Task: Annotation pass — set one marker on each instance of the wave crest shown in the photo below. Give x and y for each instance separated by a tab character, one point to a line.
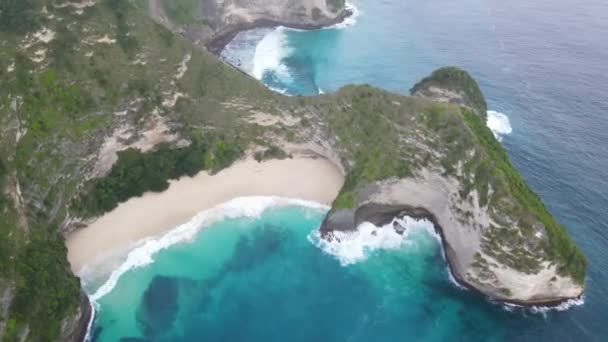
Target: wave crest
270	53
355	246
351	20
543	310
143	254
499	124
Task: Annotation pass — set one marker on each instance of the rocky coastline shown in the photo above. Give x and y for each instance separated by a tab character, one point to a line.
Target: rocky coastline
379	214
76	327
217	44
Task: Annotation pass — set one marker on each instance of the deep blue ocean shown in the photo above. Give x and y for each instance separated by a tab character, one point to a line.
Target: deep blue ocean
263	276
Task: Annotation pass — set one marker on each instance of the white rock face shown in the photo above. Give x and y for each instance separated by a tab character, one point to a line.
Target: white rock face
437	195
223	15
296	11
463	238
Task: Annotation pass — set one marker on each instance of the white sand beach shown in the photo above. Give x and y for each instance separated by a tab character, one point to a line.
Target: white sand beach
311	179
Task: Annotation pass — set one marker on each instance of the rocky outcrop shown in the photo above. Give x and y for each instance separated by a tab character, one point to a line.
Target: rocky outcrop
498	237
434	197
74	328
452	85
7	292
213	23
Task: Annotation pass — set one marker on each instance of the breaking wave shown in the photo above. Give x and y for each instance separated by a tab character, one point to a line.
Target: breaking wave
143	254
282	91
562	307
499	124
269	55
351	20
355	246
543	310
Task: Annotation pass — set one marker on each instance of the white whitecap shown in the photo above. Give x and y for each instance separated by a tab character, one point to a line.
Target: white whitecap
143	254
543	310
499	124
561	307
283	91
351	20
87	336
270	53
355	246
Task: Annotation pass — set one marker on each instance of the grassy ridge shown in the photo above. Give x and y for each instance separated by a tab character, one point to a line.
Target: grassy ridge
181	11
454	78
570	259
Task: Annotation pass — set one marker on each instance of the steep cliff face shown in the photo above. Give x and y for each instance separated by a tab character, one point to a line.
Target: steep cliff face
214	22
74	327
296	12
497	235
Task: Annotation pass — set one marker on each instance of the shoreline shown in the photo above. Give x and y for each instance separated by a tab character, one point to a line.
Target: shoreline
218	43
382	214
308	178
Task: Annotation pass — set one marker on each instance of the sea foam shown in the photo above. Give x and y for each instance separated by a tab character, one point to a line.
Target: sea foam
272	50
543	310
355	246
351	20
143	253
270	53
499	124
562	307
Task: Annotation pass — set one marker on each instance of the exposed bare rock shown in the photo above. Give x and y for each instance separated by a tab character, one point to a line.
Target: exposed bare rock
214	23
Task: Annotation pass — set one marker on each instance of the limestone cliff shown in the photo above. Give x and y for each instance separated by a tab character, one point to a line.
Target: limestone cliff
497	236
214	22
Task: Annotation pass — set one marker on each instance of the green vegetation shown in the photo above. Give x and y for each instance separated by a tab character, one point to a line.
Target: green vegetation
272	152
335	5
368	124
561	248
19	16
135	173
505	291
50	108
181	11
367	169
47	292
454	78
3	171
35	258
63	109
121	10
6	224
49	103
61	49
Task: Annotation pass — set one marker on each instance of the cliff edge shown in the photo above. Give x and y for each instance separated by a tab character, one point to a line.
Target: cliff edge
497	236
213	23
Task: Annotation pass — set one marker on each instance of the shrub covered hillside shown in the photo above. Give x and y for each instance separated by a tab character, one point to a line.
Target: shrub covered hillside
457	81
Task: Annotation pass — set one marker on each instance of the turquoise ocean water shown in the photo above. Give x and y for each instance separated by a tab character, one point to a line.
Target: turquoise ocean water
262	274
256	272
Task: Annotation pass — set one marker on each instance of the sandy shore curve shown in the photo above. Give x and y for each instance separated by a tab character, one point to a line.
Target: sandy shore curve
306	178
